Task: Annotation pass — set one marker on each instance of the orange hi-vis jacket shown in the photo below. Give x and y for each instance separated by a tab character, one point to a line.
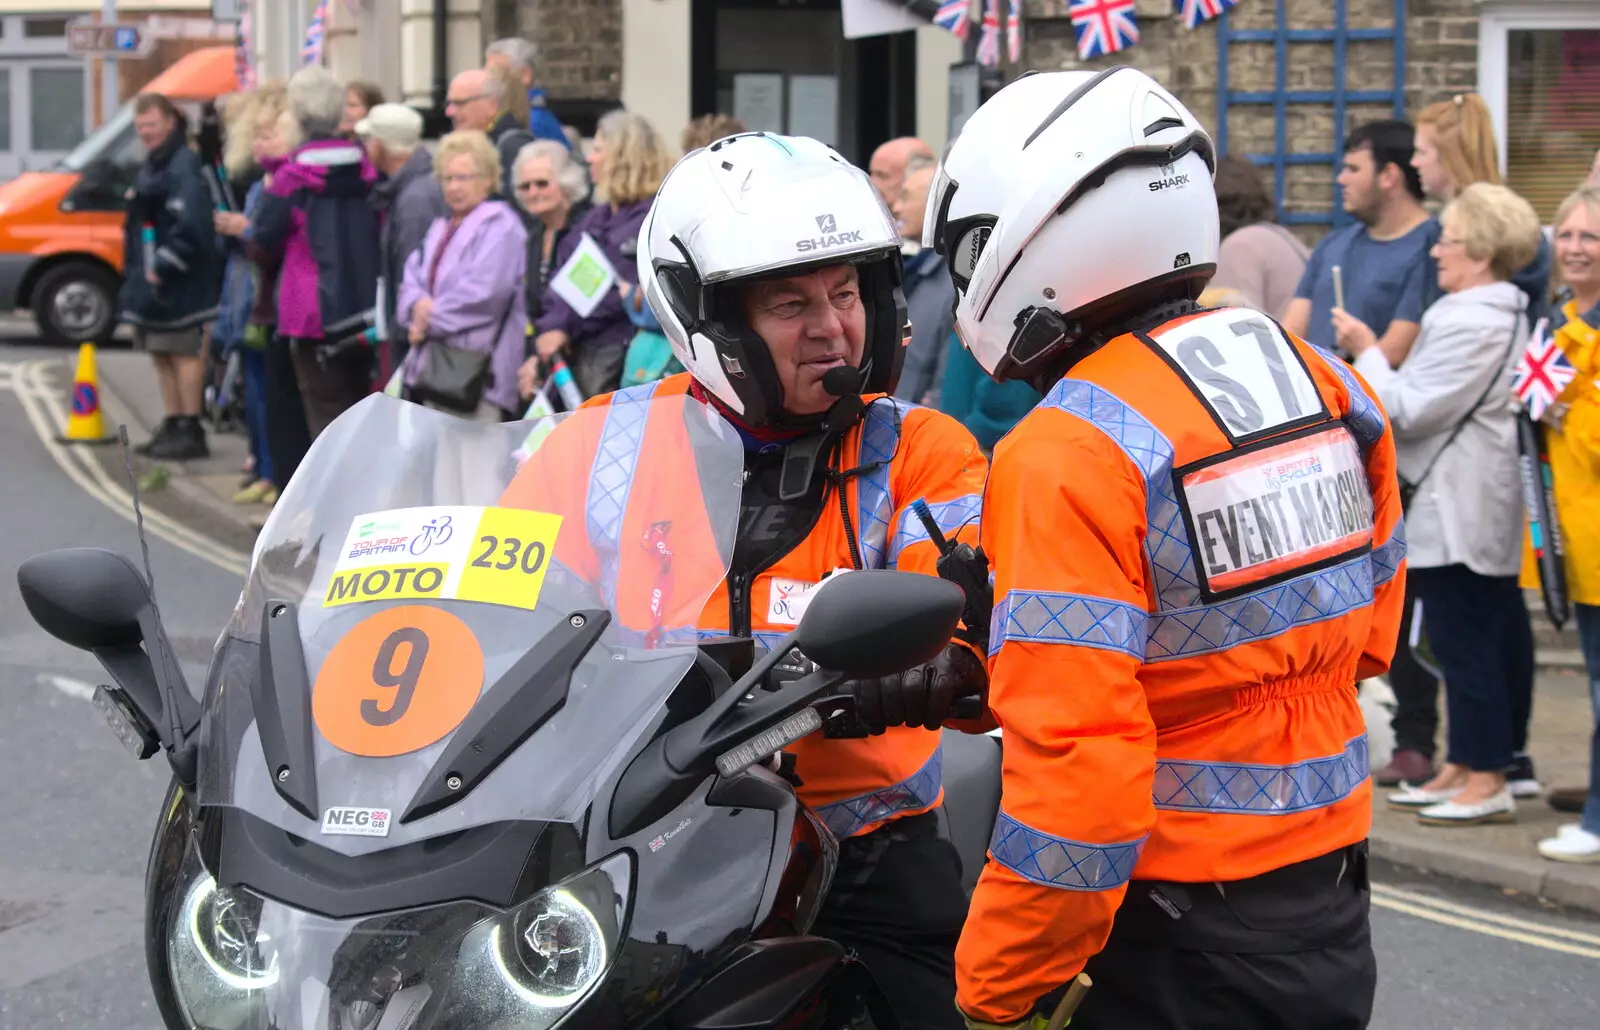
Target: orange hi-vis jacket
1198	552
899	453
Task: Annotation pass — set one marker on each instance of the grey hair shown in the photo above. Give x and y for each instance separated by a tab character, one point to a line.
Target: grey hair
520	52
316	100
570	174
917	162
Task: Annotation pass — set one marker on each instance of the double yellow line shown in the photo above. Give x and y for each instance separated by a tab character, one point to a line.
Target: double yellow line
42	404
1492	924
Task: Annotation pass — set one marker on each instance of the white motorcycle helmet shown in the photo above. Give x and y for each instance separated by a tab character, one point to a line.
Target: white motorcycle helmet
760	206
1070	201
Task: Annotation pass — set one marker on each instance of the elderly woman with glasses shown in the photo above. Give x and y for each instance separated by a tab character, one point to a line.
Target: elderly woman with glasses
463	286
627	160
1455	435
552	189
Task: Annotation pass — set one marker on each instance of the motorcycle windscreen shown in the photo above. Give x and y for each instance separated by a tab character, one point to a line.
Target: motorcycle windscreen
448	623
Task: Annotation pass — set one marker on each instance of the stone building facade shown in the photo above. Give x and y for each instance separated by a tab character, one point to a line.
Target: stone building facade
1440	59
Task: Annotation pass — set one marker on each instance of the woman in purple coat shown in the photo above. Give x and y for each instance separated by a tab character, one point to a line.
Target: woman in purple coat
627	162
463	286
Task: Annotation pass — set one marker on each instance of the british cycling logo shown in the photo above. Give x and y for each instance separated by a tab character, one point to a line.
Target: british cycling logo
434	531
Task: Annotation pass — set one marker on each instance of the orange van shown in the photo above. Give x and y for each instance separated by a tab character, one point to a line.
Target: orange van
61	229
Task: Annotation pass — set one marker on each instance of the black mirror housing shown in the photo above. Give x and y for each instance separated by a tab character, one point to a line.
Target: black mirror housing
87	597
877	623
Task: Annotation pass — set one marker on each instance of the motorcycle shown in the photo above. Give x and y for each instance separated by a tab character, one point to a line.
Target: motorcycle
434	781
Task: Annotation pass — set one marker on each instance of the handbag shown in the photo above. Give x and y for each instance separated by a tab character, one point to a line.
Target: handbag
1408	490
455	378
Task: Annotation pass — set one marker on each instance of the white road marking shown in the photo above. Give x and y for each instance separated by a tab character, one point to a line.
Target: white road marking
1491	924
68	686
49	421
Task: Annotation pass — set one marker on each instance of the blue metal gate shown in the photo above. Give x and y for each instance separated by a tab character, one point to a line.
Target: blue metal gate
1280	97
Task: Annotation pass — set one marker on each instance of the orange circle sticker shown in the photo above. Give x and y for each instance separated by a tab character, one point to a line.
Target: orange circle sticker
398	681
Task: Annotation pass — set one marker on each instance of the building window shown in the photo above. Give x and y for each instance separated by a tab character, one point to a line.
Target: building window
5	110
1552	98
45	28
55	108
1539	72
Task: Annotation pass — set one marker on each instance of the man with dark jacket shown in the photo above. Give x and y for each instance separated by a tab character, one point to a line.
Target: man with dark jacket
172	273
408	201
315	213
484	99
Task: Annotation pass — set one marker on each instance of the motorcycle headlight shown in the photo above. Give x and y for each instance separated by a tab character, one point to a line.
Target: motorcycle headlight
221	961
238	961
528	968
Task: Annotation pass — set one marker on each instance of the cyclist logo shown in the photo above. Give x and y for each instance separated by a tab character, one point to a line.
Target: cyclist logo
435	531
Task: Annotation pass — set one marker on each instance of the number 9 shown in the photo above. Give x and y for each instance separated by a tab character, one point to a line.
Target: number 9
384	675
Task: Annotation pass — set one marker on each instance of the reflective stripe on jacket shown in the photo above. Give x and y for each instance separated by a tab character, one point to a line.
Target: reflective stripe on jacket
1156	727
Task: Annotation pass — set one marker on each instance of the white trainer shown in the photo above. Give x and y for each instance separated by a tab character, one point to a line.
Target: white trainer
1572	843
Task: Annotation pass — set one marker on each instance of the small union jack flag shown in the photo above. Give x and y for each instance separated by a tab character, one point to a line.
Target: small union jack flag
989	37
1014	32
1104	26
1196	12
1542	372
952	17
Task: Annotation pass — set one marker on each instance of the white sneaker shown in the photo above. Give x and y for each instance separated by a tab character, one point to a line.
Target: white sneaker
1525	789
1412	798
1500	808
1572	843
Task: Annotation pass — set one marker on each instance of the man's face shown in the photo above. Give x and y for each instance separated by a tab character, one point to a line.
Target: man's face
1363	185
810	323
468	103
912	203
152	127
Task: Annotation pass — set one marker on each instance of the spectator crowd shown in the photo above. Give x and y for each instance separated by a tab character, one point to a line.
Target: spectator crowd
494	274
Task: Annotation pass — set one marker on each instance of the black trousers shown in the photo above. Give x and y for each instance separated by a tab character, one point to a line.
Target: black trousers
1479	629
288	437
1289	948
1416	688
897	901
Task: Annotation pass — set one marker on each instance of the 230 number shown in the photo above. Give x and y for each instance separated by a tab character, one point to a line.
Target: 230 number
513	554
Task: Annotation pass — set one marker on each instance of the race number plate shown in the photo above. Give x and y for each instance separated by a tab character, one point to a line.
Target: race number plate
1245	371
1270	512
494	555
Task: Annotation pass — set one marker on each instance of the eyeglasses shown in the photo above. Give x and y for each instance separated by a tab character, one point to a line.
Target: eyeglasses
533	184
460	180
464	101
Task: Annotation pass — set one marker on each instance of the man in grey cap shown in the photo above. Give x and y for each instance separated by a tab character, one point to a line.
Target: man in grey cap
409	199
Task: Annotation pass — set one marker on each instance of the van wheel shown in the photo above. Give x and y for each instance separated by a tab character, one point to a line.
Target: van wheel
75	303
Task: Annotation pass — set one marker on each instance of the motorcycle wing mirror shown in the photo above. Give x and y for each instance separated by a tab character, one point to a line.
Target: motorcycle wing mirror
873	623
860	625
96	601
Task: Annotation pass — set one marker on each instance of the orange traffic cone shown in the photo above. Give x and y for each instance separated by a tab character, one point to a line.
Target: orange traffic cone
85	423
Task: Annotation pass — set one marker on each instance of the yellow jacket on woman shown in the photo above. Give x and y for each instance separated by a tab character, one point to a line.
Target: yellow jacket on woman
1575	464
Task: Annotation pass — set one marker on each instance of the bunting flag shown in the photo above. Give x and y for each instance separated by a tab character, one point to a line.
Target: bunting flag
952	17
244	62
316	35
1104	26
989	38
1197	12
1014	32
1542	372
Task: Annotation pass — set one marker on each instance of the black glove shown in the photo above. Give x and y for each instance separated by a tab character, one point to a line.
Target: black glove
920	696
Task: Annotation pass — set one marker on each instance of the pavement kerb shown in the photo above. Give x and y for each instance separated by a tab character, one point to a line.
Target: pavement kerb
1532	875
117	411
